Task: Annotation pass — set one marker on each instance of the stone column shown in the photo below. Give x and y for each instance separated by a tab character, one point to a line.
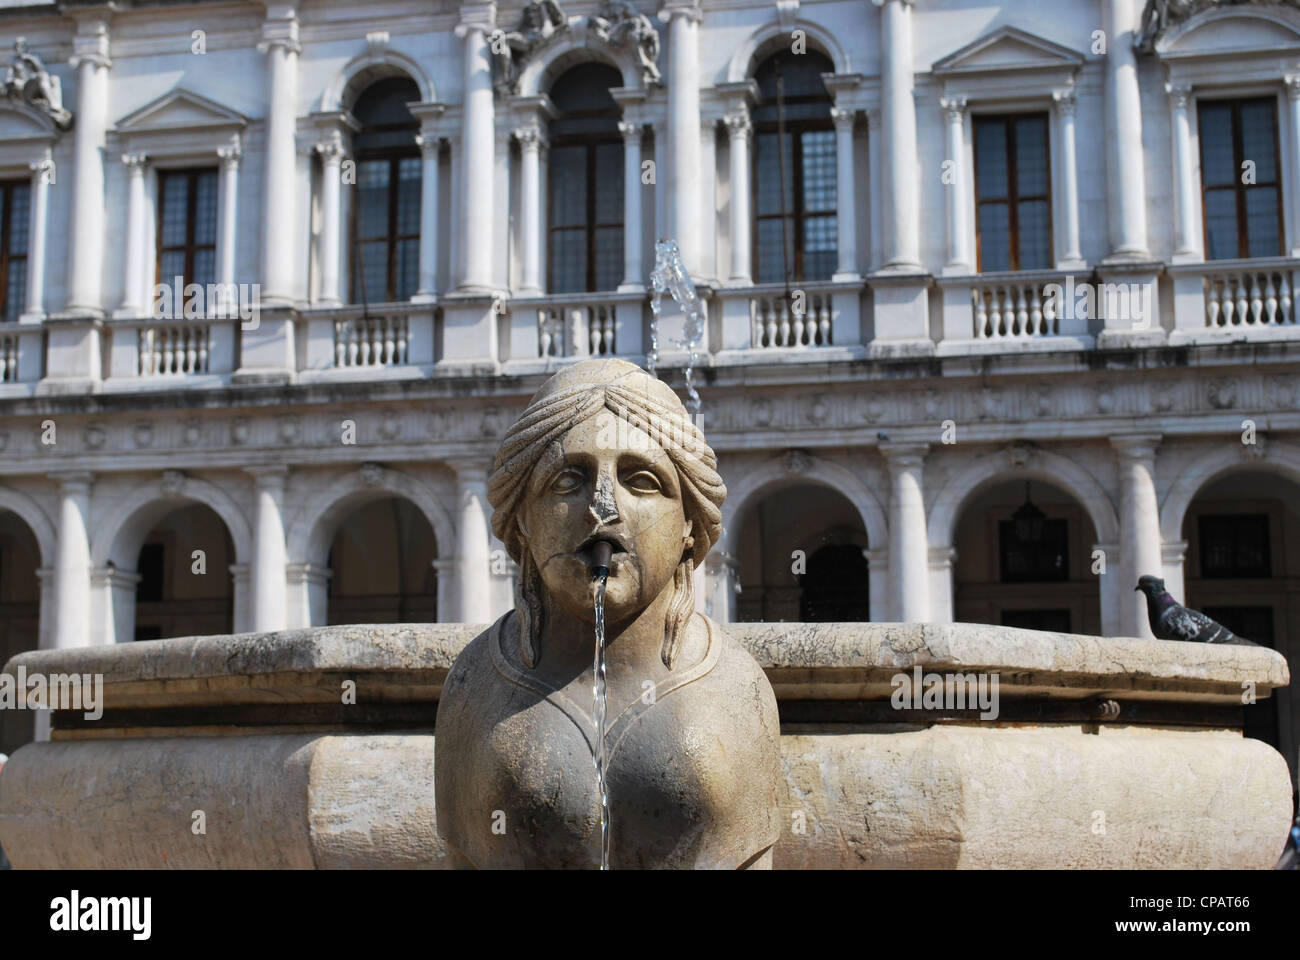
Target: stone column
308	593
1066	103
40	197
478	144
1173	553
331	230
472	597
878	583
227	238
1125	159
136	275
1139	525
268	567
632	275
530	208
86	264
941	583
1111	590
708	224
902	246
72	562
1293	96
960	261
681	180
429	150
445	580
739	133
280	44
908	549
1188	242
242	603
846	205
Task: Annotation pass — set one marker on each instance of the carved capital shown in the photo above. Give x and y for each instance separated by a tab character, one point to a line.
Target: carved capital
631	131
954	108
428	145
1065	101
331	149
904	455
843	118
135	163
738	127
230	156
1180	95
1138	446
530	138
1293	86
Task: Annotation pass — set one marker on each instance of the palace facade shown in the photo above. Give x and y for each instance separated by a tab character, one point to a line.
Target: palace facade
1001	306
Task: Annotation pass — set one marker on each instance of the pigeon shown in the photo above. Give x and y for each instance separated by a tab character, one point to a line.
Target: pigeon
1171	621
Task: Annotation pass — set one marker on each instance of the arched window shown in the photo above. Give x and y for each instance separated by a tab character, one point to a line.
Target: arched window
386	213
585	221
794	188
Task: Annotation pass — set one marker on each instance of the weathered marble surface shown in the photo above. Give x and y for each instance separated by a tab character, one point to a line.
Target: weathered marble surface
871	795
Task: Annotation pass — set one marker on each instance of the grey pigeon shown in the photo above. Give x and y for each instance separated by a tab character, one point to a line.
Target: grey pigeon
1172	621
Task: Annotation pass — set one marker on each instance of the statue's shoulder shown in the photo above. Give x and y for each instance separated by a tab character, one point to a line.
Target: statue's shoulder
473	665
737	669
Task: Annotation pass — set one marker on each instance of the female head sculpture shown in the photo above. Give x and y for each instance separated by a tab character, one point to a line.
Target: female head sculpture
604	454
628	404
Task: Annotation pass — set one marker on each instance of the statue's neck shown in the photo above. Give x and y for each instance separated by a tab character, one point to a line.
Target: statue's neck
632	648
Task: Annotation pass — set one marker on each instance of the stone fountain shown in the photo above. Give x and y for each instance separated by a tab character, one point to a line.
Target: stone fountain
673	743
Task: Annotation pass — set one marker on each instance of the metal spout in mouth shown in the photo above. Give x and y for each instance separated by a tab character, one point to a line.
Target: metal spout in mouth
601	553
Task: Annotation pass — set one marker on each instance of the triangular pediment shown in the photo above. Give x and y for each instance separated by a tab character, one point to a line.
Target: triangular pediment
1008	48
1232	29
180	109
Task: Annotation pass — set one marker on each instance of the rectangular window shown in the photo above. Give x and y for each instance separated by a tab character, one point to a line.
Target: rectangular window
1042	560
386	261
795	219
187	226
1234	546
1240	178
1013	192
586	217
15	197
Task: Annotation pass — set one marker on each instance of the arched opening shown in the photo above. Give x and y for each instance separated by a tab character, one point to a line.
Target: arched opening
386	212
20	603
801	558
585	189
1024	559
1242	568
794	203
381	562
184	587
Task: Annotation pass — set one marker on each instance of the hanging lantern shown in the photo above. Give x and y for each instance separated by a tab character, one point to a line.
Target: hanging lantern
1029	521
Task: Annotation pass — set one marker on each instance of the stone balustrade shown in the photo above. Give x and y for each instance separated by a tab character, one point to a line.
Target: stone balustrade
1234	300
253	730
1013	311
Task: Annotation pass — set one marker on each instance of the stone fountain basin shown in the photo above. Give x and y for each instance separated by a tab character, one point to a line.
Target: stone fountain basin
252	730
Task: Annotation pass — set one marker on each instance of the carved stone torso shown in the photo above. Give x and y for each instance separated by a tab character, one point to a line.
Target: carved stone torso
693	769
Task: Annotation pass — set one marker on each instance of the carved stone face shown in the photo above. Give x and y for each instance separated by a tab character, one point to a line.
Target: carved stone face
586	488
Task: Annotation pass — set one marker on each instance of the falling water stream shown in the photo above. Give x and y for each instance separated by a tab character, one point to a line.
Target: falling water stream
600	580
671	276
